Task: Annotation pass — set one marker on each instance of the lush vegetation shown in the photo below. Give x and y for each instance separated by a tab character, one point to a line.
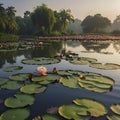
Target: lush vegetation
44	21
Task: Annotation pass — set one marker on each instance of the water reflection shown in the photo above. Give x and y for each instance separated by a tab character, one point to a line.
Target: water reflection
50	49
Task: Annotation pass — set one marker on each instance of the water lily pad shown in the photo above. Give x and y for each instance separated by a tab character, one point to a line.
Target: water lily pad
115	108
12	85
113	117
82	60
19	100
107	66
3	80
49	77
12	68
33	88
96	83
46	79
49	117
19	77
90	81
15	114
82	109
72	111
40	61
95	108
69	81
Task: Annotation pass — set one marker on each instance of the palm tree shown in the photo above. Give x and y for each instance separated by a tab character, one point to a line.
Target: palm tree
65	18
2	18
11	24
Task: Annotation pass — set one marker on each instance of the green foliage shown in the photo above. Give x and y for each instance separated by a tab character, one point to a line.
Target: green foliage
115	108
82	109
12	68
7	20
43	18
15	114
95	24
8	38
32	88
19	100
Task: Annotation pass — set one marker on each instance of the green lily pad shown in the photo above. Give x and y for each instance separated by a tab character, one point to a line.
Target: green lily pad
19	100
107	66
69	81
49	77
96	83
90	81
40	61
3	80
33	88
15	114
12	68
82	60
82	109
73	112
63	73
19	77
115	108
46	79
12	85
49	117
113	117
95	108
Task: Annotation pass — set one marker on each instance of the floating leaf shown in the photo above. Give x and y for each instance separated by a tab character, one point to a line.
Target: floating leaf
19	77
49	77
113	117
69	81
12	68
41	61
12	85
90	81
107	66
82	109
63	73
96	83
74	112
46	79
3	80
19	100
49	117
115	108
94	107
32	88
82	60
15	114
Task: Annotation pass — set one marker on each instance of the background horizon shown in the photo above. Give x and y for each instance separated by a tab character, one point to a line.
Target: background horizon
79	8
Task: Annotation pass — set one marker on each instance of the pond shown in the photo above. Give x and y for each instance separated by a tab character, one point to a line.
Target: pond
57	94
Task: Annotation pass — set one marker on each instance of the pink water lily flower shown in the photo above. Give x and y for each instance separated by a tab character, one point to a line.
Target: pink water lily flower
42	70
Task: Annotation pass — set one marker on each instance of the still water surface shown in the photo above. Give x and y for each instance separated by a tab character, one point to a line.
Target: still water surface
56	94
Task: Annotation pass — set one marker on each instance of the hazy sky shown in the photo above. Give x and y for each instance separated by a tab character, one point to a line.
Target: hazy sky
79	8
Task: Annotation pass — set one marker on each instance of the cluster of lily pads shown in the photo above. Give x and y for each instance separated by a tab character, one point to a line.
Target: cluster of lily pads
29	84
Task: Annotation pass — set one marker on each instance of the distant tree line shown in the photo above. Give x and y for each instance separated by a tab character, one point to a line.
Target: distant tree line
44	21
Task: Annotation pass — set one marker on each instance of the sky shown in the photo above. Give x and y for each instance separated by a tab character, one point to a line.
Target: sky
79	8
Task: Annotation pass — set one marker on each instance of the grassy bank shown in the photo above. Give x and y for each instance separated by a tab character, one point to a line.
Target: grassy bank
8	37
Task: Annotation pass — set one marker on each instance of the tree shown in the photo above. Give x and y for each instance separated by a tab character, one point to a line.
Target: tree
43	18
95	24
3	20
12	26
63	18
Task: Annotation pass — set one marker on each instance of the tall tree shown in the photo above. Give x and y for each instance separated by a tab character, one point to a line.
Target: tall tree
43	18
3	17
12	26
63	18
95	24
